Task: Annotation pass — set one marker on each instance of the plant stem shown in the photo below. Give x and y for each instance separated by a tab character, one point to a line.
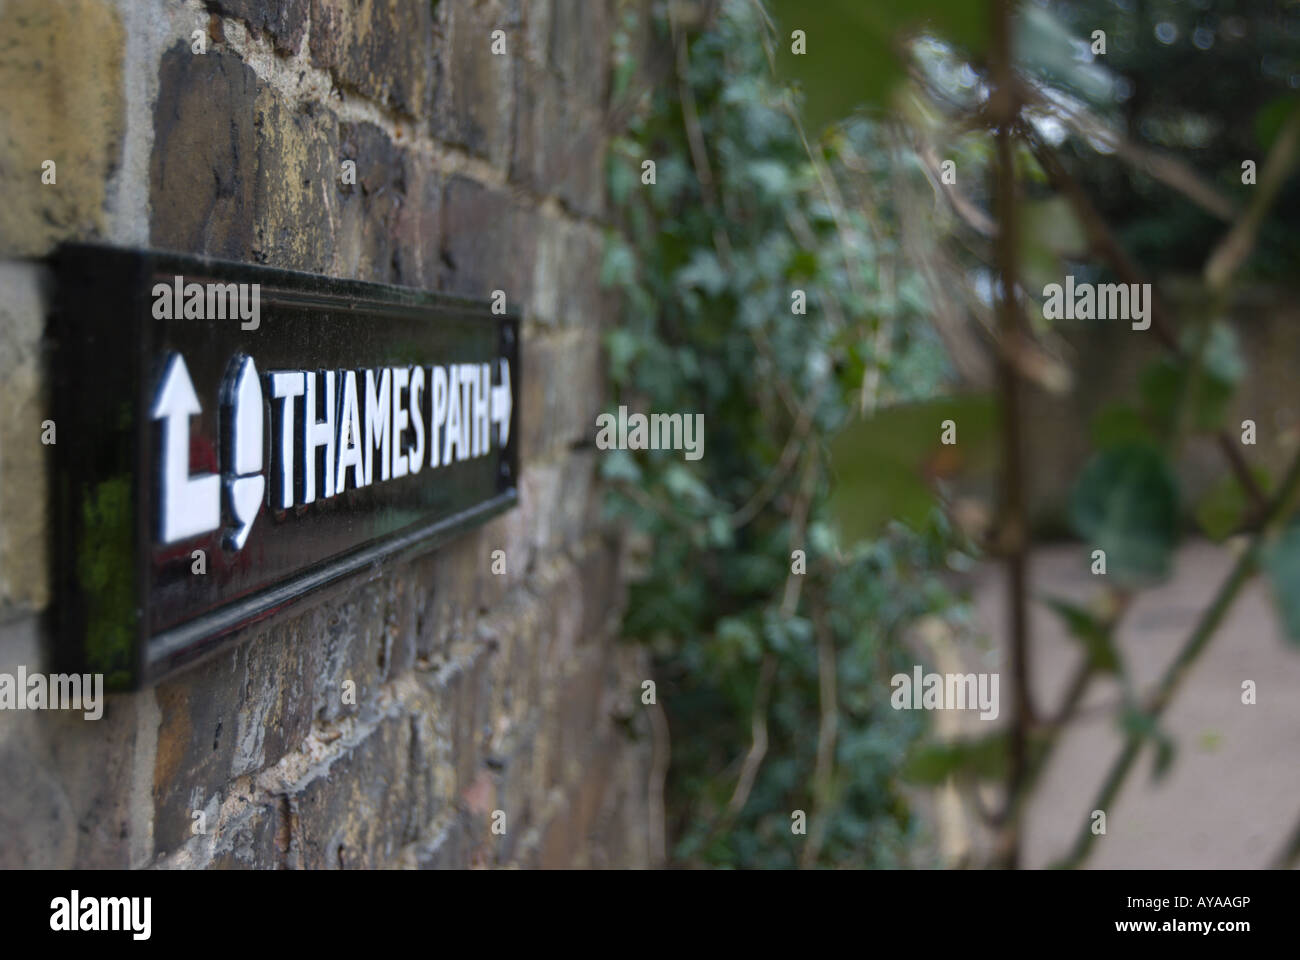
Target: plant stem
1179	668
1104	243
1004	109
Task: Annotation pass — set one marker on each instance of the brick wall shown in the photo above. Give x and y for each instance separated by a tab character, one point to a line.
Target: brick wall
474	172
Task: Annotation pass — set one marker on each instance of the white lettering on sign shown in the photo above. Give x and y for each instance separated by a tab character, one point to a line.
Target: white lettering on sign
286	386
377	423
331	424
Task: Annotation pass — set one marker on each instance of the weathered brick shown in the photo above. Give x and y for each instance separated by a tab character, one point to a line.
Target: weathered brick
355	641
38	827
487	242
592	794
355	811
285	21
562	92
389	220
230	715
419	225
600	577
256	187
580	512
203	174
558	143
450	610
298	168
519	661
433	771
558	842
247	839
589	304
540	492
582	718
24	523
368	209
564	390
382	49
566	290
567	605
517	796
474	103
579	46
60	99
449	851
470	691
67	781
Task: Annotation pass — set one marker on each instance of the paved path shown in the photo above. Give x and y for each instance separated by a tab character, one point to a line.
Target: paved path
1233	793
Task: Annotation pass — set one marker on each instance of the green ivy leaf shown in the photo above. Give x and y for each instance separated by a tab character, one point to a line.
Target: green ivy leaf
851	59
1164	382
1090	631
1125	502
704	272
1222	509
983	758
882	466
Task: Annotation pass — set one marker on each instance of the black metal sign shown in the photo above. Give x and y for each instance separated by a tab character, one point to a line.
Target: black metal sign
231	438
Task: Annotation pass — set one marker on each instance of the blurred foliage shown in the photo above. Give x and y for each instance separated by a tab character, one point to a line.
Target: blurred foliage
887	467
1094	634
1126	503
748	208
707	276
853	51
1208	81
1171	96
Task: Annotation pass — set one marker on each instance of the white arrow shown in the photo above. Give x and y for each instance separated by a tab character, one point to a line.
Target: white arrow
188	506
502	402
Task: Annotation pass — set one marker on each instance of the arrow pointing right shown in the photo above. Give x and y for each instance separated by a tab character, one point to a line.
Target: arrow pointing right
188	506
502	403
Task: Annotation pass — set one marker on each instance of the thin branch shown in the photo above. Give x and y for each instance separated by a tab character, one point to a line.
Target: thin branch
634	492
1182	663
827	728
662	753
1004	108
789	454
1234	248
1169	170
965	208
767	672
1104	243
798	531
758	745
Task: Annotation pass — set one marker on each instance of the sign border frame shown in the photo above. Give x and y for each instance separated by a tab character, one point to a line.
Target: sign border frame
87	275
